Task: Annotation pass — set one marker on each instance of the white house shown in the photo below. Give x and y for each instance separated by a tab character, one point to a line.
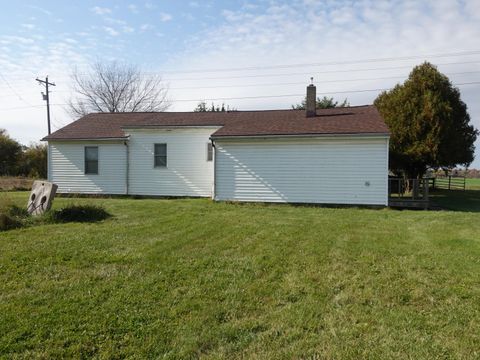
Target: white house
331	156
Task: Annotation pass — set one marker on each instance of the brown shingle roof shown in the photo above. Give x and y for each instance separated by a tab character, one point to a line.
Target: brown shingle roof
350	120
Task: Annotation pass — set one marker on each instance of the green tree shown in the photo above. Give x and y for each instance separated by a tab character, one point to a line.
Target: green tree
203	107
429	123
10	154
322	103
34	161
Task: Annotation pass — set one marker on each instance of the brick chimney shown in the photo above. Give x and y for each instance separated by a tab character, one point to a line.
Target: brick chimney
311	104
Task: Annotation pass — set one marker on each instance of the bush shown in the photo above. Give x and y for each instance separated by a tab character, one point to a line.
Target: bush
79	213
11	215
17	212
8	222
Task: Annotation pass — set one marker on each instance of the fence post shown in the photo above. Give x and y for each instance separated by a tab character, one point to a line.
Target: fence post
449	181
425	193
415	189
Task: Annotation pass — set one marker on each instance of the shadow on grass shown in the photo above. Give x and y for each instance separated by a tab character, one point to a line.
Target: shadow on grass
78	213
457	200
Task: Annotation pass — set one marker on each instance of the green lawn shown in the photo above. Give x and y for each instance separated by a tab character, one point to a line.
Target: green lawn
473	184
457	200
179	279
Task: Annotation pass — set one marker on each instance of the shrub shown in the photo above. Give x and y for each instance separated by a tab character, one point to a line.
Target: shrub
79	213
17	212
8	222
11	215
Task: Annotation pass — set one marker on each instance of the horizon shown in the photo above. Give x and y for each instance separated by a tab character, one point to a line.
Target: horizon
251	55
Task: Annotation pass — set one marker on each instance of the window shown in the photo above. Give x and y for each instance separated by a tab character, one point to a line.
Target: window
160	155
91	159
209	151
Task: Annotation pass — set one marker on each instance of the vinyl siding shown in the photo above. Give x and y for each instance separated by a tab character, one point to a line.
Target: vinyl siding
67	168
320	170
188	173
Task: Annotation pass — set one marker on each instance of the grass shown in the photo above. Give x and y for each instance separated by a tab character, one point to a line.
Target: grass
457	200
473	184
181	279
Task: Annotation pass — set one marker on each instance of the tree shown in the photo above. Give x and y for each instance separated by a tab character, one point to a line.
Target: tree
10	154
33	161
322	103
429	123
116	87
202	107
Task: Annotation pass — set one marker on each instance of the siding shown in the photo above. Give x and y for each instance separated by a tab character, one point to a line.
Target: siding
187	173
321	170
67	162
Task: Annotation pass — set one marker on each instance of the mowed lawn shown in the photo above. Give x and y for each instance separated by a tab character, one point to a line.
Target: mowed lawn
473	184
188	278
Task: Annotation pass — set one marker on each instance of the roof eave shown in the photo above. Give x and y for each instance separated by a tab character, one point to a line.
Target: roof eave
257	136
146	127
46	138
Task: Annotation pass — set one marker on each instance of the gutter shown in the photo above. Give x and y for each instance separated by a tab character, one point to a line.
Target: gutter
148	127
86	139
267	136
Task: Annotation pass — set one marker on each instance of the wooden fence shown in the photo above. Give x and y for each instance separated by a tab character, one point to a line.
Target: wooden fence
448	183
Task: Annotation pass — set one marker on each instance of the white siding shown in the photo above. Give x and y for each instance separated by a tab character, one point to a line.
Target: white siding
67	168
322	170
188	173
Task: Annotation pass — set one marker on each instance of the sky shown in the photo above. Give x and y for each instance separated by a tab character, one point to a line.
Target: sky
254	54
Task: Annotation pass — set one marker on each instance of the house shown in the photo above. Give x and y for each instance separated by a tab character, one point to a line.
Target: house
331	156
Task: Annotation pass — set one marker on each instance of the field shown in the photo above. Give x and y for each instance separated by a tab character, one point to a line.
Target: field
10	183
473	184
188	278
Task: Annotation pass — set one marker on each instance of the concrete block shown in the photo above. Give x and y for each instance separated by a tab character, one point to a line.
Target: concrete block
41	197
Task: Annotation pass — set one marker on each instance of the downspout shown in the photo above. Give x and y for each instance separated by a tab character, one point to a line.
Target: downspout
388	168
49	169
127	150
214	169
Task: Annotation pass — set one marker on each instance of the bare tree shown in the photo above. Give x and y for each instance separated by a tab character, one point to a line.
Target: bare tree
116	87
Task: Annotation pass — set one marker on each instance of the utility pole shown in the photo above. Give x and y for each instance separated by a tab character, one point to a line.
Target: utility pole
46	97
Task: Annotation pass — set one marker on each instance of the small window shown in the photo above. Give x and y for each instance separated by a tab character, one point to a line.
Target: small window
160	155
209	151
91	159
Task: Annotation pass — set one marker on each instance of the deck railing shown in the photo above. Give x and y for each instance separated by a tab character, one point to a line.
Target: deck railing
408	192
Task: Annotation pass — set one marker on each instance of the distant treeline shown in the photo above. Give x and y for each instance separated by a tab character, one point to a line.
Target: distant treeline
468	173
19	160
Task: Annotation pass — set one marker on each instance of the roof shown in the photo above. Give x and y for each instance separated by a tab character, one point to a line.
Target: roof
338	121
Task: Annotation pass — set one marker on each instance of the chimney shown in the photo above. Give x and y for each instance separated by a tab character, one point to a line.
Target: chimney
311	104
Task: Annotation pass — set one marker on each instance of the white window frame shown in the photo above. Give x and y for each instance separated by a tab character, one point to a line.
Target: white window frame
85	160
155	156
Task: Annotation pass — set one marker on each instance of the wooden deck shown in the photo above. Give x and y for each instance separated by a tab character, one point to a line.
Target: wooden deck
402	203
416	197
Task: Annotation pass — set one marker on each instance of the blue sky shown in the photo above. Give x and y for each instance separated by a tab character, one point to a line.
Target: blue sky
330	39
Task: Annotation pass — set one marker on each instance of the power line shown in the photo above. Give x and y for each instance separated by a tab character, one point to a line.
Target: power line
314	72
328	63
313	64
13	90
303	83
292	95
310	72
294	83
255	97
